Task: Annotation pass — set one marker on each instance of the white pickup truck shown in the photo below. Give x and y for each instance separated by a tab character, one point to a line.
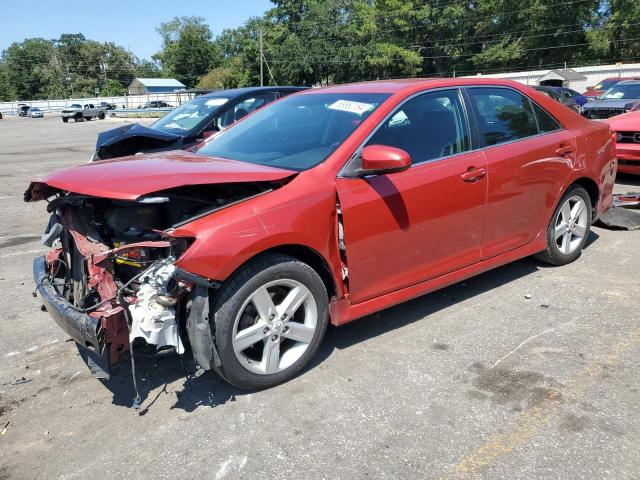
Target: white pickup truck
78	112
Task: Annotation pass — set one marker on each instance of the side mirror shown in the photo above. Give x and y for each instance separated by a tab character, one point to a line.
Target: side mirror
589	88
381	159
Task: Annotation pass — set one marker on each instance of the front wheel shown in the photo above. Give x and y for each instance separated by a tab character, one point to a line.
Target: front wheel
569	228
269	320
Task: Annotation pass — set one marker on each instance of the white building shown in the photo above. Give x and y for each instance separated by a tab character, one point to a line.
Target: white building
578	78
142	86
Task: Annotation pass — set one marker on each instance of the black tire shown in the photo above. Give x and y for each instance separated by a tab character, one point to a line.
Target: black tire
65	119
552	254
101	115
77	117
231	297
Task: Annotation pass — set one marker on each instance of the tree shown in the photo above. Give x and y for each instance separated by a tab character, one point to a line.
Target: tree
28	64
187	50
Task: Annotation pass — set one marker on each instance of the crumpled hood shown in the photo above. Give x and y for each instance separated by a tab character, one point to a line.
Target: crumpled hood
133	130
129	178
620	103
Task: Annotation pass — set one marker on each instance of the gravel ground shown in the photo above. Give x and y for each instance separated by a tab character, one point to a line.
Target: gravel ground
523	372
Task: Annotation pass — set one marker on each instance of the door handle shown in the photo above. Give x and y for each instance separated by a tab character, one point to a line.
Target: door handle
564	150
473	174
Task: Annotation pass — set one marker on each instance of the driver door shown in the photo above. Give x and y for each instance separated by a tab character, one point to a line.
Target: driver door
404	228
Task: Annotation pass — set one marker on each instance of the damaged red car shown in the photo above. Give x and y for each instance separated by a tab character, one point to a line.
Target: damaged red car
325	206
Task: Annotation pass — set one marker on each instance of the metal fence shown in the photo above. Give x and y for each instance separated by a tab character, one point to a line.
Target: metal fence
129	103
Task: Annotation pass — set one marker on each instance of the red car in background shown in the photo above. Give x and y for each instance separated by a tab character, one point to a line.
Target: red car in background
325	206
605	85
627	131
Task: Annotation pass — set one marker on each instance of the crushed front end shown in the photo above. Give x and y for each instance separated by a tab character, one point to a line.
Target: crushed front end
110	279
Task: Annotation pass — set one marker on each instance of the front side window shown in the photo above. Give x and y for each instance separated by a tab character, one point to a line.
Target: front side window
430	126
297	132
503	115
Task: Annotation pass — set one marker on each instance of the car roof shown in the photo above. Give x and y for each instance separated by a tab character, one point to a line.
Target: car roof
398	85
630	82
236	92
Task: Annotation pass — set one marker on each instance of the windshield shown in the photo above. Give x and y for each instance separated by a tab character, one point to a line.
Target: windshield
605	84
189	115
622	91
297	132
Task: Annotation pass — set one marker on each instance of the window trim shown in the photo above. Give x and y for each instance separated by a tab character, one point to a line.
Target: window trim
477	142
347	172
481	140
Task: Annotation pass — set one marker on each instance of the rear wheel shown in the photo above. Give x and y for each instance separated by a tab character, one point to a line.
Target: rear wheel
569	228
65	119
269	320
101	115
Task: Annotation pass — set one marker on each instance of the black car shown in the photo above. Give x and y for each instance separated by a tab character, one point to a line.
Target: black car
108	106
621	98
155	104
556	95
189	124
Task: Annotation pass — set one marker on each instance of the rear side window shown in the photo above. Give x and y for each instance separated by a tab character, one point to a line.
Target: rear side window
503	115
546	122
429	126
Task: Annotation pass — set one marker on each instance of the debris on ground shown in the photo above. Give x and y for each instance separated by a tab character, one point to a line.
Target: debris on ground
620	218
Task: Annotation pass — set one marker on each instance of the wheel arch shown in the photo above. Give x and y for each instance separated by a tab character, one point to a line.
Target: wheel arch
307	255
592	189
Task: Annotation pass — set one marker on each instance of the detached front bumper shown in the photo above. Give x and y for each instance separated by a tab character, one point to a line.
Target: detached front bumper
83	328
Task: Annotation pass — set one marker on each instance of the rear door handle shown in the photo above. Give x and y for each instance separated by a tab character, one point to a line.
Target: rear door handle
473	174
564	150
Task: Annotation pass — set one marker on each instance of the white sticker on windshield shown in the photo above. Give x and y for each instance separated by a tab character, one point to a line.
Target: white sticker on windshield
215	102
349	106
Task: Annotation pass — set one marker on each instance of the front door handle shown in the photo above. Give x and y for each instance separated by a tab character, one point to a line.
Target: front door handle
564	150
473	174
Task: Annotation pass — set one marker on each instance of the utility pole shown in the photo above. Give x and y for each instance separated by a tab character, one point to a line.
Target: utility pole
261	58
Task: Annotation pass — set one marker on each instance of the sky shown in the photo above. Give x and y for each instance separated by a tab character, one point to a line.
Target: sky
130	24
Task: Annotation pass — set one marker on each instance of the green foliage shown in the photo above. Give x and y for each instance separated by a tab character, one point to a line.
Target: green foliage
69	66
311	42
187	49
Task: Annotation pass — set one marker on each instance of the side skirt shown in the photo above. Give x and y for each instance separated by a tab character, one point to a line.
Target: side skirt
343	311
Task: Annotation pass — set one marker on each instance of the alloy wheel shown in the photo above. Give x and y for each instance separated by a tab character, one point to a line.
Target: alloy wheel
571	225
275	326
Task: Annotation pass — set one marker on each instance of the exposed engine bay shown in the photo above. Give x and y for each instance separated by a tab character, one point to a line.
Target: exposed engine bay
113	264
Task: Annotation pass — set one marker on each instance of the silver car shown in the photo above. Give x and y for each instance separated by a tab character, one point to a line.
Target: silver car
35	112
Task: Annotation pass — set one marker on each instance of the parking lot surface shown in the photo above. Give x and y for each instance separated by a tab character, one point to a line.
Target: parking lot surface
523	372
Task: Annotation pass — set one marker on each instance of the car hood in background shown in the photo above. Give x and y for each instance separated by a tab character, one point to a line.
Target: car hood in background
133	130
620	103
129	178
627	122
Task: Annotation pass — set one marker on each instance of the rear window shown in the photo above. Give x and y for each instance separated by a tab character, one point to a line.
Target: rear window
546	123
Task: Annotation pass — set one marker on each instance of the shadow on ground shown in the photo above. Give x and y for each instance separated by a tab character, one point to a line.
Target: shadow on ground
207	389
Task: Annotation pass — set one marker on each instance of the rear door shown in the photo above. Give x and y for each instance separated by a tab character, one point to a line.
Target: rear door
529	157
404	228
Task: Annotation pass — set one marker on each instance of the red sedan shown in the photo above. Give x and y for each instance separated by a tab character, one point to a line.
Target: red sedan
325	206
627	130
